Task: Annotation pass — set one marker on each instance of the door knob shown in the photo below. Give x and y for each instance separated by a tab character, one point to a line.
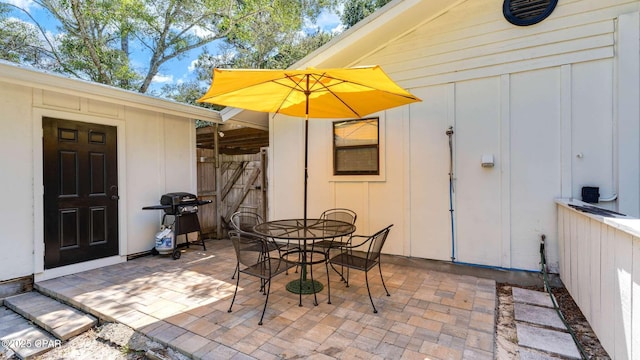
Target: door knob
114	192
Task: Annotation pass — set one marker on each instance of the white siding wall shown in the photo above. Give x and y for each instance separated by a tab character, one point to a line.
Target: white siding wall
477	205
535	143
429	175
599	258
628	113
144	163
534	97
160	159
156	154
16	172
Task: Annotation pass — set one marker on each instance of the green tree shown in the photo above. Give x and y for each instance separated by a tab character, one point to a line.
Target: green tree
19	41
191	90
266	45
99	36
356	10
300	46
276	52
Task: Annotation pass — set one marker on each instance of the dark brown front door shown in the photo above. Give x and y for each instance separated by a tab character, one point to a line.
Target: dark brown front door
80	192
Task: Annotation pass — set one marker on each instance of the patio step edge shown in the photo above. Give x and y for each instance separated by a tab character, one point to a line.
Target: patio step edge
61	320
101	316
20	337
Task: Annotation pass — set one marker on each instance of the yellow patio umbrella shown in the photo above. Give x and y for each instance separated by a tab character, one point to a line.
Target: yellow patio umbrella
317	93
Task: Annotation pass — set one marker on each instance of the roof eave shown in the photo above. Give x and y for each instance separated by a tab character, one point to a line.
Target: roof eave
19	75
388	23
248	118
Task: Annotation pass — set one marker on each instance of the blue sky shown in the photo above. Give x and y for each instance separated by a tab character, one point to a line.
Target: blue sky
177	70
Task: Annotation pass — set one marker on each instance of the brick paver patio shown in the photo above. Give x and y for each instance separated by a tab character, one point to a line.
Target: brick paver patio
183	304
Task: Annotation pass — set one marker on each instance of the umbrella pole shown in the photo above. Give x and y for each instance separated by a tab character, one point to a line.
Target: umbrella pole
306	148
306	161
306	174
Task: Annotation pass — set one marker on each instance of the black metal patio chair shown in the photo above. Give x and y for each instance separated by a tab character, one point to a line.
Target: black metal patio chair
350	258
342	214
244	221
254	259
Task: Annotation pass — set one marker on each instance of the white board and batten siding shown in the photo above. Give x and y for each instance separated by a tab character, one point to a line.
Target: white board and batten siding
600	267
16	220
156	155
542	99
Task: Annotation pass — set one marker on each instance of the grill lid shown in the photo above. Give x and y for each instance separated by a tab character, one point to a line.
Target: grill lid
178	198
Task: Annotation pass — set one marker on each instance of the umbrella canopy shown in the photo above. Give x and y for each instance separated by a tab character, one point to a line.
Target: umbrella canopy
316	93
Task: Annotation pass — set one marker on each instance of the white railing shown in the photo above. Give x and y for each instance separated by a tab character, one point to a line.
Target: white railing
600	267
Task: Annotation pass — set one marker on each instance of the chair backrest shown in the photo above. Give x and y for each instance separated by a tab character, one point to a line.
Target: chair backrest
377	242
341	214
245	220
249	249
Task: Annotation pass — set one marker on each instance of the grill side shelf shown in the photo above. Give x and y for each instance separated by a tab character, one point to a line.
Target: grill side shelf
157	207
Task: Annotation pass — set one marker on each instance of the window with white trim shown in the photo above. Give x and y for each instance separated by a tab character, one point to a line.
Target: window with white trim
356	147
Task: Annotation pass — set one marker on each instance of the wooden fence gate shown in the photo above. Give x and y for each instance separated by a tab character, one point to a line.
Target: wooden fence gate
238	183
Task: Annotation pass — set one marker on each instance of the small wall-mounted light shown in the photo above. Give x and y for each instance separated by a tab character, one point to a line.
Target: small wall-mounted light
220	133
487	161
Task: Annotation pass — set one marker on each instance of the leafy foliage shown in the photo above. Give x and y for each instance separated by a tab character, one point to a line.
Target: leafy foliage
99	36
19	41
356	10
269	46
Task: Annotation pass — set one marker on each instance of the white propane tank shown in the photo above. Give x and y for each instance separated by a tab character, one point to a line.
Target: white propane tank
164	241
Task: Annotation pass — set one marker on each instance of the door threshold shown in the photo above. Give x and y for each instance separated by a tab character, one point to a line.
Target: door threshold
48	274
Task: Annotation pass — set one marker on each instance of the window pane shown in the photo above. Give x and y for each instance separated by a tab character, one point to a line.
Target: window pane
356	147
354	133
357	160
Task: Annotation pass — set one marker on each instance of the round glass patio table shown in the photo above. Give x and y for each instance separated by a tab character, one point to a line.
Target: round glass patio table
305	232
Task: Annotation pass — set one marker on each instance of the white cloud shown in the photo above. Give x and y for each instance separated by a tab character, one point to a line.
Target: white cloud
338	29
327	21
162	79
192	65
202	32
25	4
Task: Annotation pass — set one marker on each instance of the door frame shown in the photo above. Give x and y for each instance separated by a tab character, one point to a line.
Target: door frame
40	274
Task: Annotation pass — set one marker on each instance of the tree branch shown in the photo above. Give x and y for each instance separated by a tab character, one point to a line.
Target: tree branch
52	49
95	58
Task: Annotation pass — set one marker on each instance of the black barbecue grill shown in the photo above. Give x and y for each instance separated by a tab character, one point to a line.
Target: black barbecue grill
182	208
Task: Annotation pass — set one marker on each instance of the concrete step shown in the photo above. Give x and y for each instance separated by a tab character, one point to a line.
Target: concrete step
547	340
21	338
538	315
541	333
532	297
61	320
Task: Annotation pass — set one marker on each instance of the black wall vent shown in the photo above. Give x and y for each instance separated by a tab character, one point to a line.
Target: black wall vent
527	12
